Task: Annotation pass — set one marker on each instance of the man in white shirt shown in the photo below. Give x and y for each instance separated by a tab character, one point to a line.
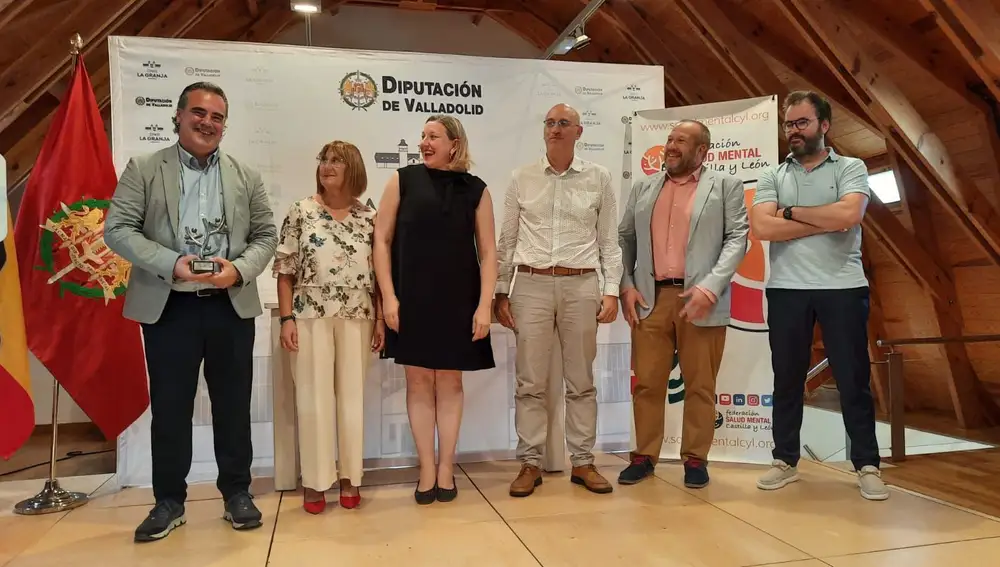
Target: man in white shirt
559	232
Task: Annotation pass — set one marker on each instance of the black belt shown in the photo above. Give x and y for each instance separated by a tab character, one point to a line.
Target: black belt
206	292
679	282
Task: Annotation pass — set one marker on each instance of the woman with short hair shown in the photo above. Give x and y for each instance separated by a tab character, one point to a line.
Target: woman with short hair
330	321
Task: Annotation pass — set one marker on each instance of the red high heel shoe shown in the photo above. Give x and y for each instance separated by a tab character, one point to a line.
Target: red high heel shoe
315	507
350	502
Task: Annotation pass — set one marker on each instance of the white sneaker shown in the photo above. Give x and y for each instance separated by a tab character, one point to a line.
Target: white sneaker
870	481
780	474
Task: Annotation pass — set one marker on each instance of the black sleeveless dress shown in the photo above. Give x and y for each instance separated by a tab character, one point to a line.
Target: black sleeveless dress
435	271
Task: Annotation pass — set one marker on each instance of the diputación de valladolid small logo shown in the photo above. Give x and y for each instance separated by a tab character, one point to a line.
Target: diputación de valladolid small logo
358	90
73	251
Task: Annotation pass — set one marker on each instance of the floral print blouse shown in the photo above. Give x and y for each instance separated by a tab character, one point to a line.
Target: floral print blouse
330	259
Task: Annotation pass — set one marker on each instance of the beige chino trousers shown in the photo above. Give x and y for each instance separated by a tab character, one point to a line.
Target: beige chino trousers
569	306
329	373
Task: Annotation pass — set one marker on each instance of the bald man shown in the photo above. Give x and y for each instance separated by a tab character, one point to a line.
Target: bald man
683	234
559	234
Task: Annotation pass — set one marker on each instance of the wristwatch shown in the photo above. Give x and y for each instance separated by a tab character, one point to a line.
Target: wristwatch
787	213
281	320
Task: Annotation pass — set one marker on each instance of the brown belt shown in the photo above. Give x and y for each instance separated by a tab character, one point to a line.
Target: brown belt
555	271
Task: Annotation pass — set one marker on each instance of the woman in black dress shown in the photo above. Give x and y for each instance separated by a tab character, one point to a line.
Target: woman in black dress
436	265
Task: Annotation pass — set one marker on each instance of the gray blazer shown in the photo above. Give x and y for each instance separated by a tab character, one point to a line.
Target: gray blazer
141	226
717	240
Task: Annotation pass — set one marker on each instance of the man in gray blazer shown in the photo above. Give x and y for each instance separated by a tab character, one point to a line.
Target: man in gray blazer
683	235
198	229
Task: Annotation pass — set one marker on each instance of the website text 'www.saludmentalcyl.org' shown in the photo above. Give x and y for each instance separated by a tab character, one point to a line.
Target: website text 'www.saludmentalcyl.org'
734	442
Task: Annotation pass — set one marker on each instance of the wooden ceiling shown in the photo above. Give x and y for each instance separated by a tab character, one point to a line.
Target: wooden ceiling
914	84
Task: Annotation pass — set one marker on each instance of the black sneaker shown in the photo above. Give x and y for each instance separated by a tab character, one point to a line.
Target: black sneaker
695	473
162	519
240	510
641	468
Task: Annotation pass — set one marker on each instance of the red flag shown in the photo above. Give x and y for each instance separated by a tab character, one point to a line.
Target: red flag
73	285
16	406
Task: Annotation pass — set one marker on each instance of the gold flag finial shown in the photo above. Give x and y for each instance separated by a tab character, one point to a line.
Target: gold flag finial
75	44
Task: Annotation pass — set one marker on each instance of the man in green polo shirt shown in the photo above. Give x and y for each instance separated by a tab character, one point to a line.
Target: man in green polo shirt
810	208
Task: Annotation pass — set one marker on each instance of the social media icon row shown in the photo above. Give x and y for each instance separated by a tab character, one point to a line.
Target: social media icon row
752	400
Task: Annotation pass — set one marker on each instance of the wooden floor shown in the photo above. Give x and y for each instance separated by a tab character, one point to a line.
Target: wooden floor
81	448
819	521
966	478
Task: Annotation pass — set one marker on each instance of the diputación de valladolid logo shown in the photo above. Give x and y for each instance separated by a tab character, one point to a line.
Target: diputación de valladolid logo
360	91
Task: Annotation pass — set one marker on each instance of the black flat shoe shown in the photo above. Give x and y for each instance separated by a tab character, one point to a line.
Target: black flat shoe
425	497
447	494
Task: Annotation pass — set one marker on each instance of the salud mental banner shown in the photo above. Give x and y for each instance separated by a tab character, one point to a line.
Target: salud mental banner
744	143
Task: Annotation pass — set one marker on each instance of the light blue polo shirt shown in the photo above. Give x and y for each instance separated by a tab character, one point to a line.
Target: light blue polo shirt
831	260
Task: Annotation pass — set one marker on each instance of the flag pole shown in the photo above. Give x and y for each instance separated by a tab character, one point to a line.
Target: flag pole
53	498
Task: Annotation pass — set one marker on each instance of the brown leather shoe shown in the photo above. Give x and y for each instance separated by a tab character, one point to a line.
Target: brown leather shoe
589	478
526	481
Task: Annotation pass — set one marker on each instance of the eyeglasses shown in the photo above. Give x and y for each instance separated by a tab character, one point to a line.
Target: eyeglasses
799	124
561	123
331	161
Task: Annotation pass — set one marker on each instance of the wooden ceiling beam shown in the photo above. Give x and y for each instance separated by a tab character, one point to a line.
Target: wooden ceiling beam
973	406
909	44
9	9
908	253
609	22
736	54
596	50
473	6
877	164
268	26
177	19
530	28
905	130
731	48
972	26
253	8
680	80
800	63
47	61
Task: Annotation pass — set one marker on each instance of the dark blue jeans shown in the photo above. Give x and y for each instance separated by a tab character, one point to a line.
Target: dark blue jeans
843	318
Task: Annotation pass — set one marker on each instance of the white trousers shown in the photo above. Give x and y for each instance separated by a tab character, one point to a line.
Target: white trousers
329	373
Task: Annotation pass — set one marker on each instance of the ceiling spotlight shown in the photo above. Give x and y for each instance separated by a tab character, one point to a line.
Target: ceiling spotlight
306	6
576	40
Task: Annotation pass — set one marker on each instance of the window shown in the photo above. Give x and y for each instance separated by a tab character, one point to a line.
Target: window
883	184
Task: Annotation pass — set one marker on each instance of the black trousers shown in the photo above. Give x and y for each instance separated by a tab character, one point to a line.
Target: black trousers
843	319
193	329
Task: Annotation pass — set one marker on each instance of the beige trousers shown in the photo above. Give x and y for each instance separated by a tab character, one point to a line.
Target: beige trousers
329	373
569	305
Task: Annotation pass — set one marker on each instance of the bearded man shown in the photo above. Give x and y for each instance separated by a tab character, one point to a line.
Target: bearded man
810	209
683	235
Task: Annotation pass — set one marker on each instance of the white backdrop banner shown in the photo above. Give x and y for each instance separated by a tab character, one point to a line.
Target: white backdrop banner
285	102
743	144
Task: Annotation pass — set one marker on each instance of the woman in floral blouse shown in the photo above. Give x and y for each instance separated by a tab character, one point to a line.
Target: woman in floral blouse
330	321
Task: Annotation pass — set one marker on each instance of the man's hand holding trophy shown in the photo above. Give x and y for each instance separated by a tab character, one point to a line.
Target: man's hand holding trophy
206	266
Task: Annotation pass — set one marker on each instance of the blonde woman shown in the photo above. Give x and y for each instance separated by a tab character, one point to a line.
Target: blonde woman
330	321
435	256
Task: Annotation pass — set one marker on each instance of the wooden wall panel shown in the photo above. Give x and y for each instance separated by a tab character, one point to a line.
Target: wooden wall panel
907	312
